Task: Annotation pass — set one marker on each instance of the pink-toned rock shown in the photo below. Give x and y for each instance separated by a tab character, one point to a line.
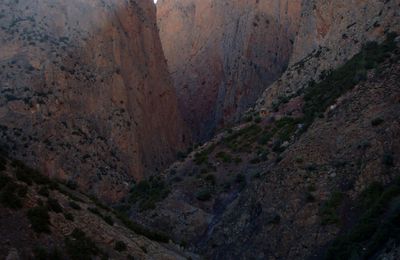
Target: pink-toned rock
222	54
85	91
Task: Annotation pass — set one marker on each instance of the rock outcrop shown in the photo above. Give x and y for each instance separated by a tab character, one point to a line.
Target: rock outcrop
222	54
85	91
330	33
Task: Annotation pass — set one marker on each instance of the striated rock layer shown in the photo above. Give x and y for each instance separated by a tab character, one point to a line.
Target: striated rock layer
222	54
85	91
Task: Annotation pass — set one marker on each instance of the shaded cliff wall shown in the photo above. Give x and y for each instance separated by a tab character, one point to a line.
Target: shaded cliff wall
222	54
85	91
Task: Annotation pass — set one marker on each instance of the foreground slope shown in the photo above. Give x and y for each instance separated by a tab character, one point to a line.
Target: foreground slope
43	219
85	92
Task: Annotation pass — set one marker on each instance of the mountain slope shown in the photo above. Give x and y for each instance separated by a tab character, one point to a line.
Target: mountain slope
287	185
44	219
85	91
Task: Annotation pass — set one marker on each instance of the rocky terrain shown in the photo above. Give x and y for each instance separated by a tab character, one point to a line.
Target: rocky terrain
315	178
85	92
298	103
222	54
330	33
44	219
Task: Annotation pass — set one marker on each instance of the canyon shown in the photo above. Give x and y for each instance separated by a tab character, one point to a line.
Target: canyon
223	54
200	129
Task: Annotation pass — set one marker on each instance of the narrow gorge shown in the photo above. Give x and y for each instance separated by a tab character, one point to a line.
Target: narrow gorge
199	129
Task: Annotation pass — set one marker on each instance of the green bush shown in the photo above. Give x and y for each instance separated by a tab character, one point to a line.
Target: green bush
379	222
44	191
29	175
224	157
148	192
68	216
41	253
9	196
39	219
120	246
319	96
204	195
388	160
74	205
377	121
53	205
328	211
79	246
4	180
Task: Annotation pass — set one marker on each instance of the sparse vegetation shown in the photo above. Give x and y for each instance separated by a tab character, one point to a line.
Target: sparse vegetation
377	121
39	219
139	229
74	205
204	194
53	205
148	192
120	246
379	223
11	194
79	246
328	211
319	96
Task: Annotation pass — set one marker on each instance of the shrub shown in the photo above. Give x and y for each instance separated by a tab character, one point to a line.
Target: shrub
108	220
224	157
79	246
319	96
388	159
210	178
9	197
29	175
204	195
39	219
148	192
377	121
68	216
54	206
44	191
328	211
4	180
74	205
41	253
379	223
120	246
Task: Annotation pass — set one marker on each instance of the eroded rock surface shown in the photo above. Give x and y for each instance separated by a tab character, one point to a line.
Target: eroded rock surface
222	54
85	91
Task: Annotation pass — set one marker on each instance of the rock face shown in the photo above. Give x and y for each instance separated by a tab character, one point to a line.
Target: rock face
223	53
85	91
330	33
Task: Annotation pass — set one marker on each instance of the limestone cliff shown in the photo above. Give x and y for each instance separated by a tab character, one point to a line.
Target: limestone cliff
222	54
85	91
